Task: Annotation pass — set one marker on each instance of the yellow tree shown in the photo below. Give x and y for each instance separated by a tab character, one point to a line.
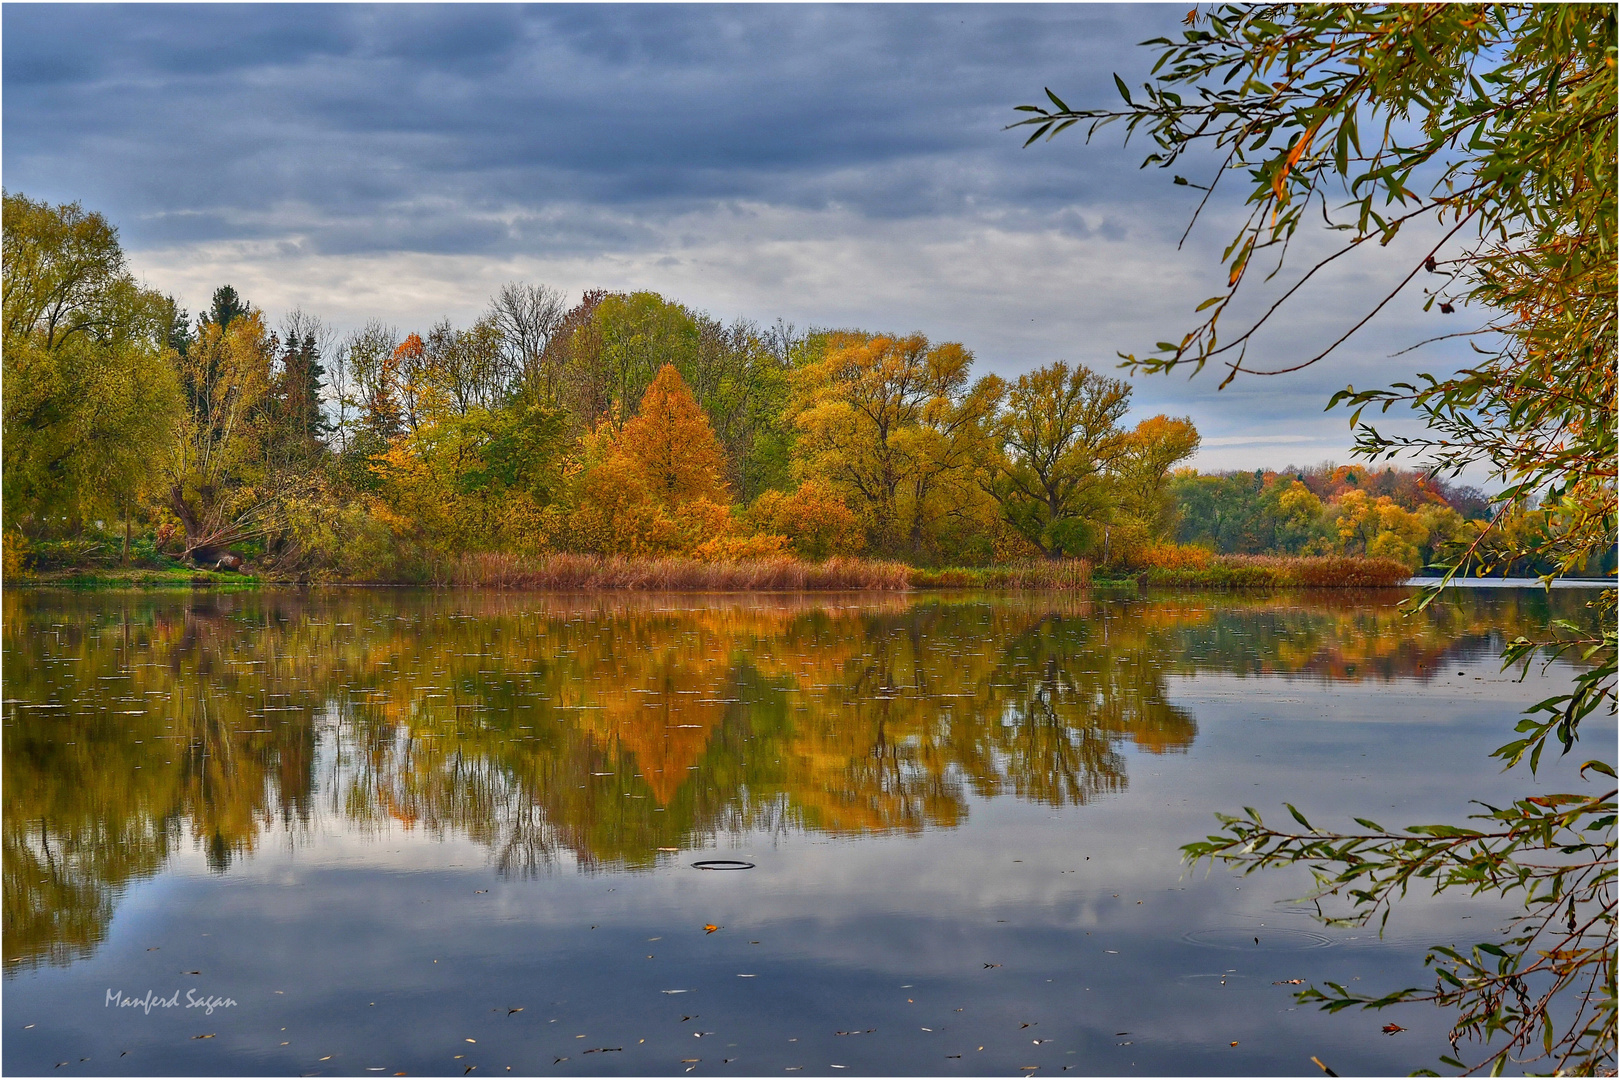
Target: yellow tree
1379	529
892	423
1149	452
813	518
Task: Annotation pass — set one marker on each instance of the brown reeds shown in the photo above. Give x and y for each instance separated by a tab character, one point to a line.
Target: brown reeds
564	572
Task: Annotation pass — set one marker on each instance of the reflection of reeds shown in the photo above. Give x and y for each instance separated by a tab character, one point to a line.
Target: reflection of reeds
565	572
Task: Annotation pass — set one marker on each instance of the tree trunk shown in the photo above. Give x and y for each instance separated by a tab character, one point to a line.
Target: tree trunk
188	519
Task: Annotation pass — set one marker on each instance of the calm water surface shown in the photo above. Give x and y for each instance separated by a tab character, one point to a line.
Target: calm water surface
439	833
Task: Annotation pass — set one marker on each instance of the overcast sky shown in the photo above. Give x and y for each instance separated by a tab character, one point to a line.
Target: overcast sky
827	165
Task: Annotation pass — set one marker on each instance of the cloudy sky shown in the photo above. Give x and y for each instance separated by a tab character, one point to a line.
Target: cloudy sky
825	165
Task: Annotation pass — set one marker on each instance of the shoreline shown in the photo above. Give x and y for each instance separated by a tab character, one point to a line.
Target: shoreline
584	573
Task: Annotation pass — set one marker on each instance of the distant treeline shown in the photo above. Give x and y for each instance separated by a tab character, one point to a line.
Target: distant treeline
623	425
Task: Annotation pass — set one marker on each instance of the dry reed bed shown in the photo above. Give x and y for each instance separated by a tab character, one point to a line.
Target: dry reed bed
579	573
565	572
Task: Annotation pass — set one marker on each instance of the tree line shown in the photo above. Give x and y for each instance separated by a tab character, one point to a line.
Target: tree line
624	424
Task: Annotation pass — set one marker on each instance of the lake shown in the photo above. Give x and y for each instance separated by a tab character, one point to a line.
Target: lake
367	831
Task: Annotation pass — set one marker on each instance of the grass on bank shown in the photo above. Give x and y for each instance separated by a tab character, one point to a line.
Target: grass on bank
1283	572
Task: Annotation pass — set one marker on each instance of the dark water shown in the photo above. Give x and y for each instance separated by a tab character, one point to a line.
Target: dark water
439	833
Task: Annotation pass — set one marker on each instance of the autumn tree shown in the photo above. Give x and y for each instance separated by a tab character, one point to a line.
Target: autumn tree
214	472
1059	438
671	442
813	518
1142	486
895	427
656	485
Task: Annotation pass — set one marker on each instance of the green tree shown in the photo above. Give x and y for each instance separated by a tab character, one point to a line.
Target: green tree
225	307
90	395
1060	437
1494	127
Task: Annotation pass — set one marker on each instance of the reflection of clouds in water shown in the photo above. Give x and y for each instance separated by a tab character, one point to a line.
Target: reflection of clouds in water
586	732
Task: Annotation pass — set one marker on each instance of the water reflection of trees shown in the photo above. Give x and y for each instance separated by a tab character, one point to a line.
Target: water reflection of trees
599	729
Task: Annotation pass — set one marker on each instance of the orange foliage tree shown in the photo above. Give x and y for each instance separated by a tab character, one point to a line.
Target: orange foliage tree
654	486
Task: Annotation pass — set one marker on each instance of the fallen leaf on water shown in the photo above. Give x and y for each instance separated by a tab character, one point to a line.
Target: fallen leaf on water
1234	1043
472	1040
509	1012
202	1036
328	1057
561	1059
1390	1029
1289	982
992	965
709	928
675	991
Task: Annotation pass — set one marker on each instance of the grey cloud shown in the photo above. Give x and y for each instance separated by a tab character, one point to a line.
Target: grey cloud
894	111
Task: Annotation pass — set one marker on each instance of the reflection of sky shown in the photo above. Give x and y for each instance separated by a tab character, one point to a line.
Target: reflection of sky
392	950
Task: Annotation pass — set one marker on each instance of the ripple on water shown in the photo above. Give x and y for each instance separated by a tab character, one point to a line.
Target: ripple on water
1271	939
